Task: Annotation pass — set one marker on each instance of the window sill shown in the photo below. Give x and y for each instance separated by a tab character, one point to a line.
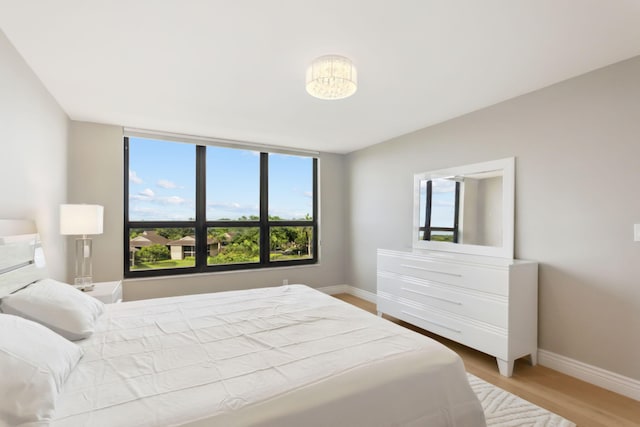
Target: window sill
217	273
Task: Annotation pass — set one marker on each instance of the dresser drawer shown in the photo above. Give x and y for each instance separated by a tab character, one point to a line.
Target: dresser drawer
486	279
487	308
483	337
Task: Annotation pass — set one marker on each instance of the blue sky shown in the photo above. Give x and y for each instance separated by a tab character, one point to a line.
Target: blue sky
162	182
442	204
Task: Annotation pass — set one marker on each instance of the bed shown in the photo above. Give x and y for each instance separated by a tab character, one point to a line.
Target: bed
282	356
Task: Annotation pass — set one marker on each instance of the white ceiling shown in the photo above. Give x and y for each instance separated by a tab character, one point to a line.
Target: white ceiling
235	69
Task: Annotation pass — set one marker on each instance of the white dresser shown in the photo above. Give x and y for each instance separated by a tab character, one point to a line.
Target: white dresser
487	303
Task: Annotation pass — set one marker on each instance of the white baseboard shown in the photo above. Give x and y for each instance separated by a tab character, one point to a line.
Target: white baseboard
335	289
361	293
592	374
348	289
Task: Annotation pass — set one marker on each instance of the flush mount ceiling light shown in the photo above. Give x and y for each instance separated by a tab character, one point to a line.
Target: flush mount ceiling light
332	77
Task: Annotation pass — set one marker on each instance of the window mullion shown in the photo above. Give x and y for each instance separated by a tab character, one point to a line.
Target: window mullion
264	208
427	221
201	207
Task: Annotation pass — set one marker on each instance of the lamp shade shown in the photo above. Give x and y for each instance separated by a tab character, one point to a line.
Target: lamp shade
331	77
81	219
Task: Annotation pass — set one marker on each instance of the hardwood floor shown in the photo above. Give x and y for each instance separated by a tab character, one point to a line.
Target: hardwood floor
578	401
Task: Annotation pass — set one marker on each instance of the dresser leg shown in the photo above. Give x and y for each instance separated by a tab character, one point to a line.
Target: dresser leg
534	358
379	314
505	367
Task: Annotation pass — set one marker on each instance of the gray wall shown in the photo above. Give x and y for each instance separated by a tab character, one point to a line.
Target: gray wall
96	176
33	138
577	148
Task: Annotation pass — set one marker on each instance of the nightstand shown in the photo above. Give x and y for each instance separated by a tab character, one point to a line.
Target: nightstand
107	292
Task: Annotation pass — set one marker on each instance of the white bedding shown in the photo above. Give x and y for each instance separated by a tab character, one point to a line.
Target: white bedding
286	356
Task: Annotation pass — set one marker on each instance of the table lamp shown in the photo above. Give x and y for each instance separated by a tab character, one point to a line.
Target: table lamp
82	220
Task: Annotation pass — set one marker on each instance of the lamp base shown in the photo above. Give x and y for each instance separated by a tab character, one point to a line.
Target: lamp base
83	280
83	283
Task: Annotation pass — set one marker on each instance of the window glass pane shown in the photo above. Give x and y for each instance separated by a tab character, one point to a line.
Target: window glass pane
233	184
233	245
289	243
443	203
157	248
162	180
290	187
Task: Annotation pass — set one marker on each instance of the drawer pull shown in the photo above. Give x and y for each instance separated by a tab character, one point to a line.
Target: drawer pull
433	296
415	267
458	331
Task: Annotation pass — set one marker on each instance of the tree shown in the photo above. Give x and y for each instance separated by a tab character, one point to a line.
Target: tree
153	253
135	232
174	233
220	236
243	246
303	240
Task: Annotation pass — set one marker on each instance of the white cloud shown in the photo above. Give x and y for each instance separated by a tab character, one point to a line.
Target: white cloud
148	195
232	206
133	177
147	192
165	183
308	194
217	210
152	213
172	200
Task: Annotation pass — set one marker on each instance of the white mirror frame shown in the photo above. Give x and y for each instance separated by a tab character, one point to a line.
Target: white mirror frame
508	209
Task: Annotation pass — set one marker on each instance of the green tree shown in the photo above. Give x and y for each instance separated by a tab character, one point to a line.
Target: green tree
135	232
220	236
303	240
174	233
278	238
153	253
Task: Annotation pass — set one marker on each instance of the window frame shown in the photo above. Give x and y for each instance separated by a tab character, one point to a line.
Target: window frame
201	224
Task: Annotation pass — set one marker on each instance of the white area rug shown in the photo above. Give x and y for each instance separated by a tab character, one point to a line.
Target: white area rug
503	409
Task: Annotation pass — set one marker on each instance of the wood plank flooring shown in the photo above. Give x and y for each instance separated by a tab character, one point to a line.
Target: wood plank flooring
578	401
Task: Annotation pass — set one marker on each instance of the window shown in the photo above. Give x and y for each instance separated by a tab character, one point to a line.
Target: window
439	210
194	208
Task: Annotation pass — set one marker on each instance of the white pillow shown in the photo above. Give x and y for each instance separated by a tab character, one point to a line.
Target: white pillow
58	306
35	363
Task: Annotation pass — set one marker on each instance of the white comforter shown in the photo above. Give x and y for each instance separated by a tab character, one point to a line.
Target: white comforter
286	356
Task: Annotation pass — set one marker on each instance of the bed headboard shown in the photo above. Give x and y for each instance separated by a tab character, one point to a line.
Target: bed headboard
21	257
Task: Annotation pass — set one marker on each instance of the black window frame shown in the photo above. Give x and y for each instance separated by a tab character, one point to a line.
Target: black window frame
201	224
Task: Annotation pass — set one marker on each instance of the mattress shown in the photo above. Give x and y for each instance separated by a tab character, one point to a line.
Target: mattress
284	356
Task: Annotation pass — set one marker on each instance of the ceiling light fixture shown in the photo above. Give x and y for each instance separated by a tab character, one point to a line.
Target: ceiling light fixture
332	77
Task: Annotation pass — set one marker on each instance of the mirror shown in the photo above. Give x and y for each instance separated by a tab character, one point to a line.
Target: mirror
467	209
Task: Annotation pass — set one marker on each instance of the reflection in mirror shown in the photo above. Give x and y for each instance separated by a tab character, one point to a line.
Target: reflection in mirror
466	209
439	210
462	209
